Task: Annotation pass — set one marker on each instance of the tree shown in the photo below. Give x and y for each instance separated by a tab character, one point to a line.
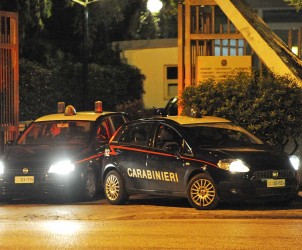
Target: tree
32	16
168	19
296	3
269	106
51	40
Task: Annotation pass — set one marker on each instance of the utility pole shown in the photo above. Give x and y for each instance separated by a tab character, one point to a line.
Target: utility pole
85	4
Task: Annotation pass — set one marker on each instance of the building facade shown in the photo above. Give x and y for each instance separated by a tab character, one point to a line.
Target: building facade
158	59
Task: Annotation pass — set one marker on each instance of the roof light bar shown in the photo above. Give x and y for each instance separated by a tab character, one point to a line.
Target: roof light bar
70	110
98	107
61	107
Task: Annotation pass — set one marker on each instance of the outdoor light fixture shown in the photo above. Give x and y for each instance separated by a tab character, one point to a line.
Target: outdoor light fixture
154	5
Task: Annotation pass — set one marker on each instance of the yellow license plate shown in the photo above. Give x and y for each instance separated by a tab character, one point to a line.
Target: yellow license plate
24	179
275	183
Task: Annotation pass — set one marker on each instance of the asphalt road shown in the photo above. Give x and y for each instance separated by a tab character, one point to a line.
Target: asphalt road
148	223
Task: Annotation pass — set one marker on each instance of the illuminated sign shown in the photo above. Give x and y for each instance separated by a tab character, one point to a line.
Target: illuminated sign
221	67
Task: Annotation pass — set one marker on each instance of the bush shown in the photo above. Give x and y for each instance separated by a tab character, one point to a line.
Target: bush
42	86
37	91
135	109
269	106
114	84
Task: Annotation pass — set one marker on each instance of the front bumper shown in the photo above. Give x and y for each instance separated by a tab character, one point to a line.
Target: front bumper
43	186
257	190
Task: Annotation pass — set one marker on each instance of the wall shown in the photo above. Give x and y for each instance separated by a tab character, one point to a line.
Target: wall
150	57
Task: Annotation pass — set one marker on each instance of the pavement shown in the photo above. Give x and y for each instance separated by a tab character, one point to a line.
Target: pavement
143	208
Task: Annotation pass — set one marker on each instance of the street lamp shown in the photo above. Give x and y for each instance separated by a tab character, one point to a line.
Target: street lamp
85	4
154	6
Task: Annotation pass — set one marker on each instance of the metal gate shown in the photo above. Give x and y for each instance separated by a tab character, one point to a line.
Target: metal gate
9	78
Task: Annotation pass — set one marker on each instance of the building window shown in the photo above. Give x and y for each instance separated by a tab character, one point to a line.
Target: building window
229	47
170	81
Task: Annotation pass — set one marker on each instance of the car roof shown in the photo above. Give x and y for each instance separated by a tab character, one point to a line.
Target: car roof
79	116
186	120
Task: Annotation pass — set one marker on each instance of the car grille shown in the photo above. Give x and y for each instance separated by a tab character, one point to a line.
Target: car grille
31	171
270	174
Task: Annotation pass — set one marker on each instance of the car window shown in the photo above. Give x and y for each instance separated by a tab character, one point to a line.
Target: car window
103	131
117	121
167	137
138	134
56	132
224	136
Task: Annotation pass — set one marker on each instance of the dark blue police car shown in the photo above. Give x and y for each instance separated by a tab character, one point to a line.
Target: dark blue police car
206	160
59	154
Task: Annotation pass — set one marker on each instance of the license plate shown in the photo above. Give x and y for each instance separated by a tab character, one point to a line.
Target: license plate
24	179
275	183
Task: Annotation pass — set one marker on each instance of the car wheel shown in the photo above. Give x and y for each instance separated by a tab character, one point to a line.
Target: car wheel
90	185
202	192
114	188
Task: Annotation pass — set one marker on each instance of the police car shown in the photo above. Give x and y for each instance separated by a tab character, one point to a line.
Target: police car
205	159
59	154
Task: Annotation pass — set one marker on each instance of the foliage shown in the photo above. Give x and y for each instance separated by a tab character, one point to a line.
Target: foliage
39	97
168	19
114	84
135	109
296	3
60	24
32	16
61	80
270	106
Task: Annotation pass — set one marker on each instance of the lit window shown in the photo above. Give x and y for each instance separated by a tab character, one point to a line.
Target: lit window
229	47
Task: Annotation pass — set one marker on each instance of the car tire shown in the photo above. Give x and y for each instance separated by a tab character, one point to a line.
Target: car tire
202	192
114	189
89	185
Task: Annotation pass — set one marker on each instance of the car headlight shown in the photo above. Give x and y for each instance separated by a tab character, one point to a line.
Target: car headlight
1	167
61	167
233	165
295	161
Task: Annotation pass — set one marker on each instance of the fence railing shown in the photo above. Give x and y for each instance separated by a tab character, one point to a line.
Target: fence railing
9	78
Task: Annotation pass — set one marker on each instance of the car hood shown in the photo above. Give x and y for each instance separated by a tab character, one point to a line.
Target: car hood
257	158
44	153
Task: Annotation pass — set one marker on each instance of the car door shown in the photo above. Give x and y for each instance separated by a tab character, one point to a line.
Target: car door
105	128
165	162
132	151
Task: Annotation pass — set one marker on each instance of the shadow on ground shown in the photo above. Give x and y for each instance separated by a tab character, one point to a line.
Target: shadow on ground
160	201
182	202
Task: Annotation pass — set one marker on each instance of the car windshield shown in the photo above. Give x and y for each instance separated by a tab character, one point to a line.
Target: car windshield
221	135
56	132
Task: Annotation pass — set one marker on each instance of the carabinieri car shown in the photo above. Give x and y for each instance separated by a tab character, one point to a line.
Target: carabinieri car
206	160
59	155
